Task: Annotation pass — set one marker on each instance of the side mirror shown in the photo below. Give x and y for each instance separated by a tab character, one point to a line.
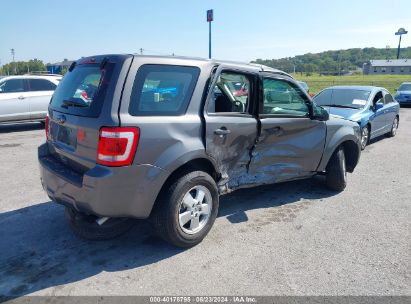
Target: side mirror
378	105
319	113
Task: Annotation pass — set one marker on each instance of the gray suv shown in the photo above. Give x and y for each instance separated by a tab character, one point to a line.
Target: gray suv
162	137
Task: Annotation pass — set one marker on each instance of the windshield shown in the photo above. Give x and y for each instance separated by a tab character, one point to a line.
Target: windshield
82	90
350	98
405	87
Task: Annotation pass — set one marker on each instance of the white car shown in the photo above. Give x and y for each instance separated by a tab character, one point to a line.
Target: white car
26	97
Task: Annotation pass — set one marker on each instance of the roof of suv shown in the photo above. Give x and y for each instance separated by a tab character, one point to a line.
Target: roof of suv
257	67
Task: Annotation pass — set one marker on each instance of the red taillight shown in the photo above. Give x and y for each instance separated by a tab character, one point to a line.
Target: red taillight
117	146
46	127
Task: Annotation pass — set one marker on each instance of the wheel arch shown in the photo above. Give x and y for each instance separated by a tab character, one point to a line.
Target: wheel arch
369	125
349	139
352	154
197	164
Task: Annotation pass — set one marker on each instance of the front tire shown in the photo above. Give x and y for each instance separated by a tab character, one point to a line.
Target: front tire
187	209
336	173
365	137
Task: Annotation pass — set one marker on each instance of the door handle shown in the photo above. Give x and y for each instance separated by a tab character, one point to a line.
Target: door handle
21	97
222	131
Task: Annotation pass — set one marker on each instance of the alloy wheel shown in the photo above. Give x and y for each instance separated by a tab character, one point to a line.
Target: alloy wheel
364	137
394	126
195	209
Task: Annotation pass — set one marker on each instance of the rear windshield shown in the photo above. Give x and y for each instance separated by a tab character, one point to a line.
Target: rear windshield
82	90
351	98
162	90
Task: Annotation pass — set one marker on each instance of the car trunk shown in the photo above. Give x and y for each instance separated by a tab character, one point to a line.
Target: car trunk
86	99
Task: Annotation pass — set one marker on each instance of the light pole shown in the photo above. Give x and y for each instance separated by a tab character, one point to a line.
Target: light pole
14	65
401	31
210	18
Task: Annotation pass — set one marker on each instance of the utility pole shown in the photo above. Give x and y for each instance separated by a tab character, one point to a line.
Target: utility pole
210	18
14	64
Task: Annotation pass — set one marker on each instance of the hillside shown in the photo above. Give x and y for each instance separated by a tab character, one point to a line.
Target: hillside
331	62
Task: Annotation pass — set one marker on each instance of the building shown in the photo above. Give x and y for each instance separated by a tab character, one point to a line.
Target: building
56	68
390	67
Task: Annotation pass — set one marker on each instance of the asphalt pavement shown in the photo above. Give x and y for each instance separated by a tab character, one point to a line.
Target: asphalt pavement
295	238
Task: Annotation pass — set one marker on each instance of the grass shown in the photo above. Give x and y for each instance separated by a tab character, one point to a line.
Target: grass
318	82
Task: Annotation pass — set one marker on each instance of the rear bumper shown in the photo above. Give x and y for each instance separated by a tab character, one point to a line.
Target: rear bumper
103	191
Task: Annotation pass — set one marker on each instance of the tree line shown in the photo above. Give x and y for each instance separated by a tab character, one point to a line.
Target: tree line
22	67
333	62
329	62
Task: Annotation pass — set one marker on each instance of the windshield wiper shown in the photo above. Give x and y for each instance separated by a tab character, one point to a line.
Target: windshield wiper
73	103
341	106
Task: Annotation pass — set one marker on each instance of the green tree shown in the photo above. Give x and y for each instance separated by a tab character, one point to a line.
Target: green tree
333	61
22	67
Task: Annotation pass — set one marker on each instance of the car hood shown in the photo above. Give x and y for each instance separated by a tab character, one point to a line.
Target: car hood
347	113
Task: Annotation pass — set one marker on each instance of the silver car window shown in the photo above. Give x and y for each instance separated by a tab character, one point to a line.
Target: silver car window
12	86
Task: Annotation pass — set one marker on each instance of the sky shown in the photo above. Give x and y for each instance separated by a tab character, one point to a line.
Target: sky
51	30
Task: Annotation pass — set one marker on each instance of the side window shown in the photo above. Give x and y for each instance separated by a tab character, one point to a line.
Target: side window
41	85
231	94
324	98
388	99
162	90
282	97
12	86
377	98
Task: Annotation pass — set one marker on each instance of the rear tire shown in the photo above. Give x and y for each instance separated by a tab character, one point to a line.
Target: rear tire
394	127
85	226
336	173
185	212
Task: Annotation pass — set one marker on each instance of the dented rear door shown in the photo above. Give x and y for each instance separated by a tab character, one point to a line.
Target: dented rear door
231	129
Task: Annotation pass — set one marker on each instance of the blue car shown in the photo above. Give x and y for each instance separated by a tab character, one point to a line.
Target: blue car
373	108
403	95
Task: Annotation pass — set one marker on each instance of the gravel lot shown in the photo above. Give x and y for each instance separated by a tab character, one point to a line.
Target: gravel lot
294	238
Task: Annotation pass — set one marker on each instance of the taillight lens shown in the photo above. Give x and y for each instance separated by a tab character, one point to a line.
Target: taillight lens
117	146
46	127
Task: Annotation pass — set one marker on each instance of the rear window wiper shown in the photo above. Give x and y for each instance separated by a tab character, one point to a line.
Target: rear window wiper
74	103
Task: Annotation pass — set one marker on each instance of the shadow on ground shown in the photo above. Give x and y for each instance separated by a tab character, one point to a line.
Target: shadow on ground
39	251
20	127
